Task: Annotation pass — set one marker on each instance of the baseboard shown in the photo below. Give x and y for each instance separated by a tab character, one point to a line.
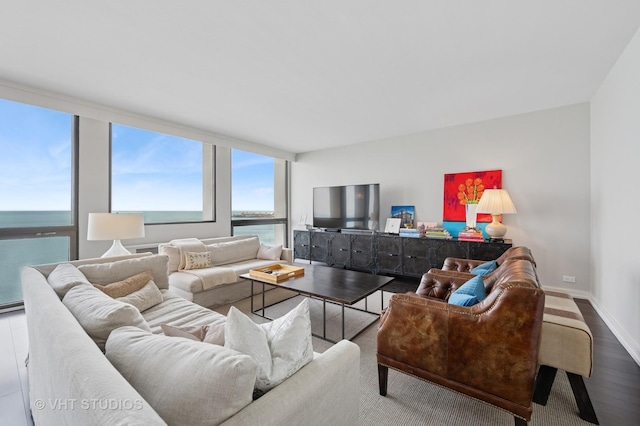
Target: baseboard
623	337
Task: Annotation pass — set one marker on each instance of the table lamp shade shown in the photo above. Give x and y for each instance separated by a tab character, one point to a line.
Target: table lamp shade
116	227
496	202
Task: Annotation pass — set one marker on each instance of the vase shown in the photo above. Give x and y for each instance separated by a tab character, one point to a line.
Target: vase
471	216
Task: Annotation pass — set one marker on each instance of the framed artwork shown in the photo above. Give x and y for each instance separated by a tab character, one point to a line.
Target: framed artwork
467	188
392	226
406	214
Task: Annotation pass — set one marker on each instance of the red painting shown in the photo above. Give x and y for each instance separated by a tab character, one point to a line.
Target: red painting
467	188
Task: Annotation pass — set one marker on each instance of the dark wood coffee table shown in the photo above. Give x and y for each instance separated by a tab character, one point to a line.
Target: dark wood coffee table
338	286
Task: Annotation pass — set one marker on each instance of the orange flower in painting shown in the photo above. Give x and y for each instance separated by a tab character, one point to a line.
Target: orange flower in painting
471	191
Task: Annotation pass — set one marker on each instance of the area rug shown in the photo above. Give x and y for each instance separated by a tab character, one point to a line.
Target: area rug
411	401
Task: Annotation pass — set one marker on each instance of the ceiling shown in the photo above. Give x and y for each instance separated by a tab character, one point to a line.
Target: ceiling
306	75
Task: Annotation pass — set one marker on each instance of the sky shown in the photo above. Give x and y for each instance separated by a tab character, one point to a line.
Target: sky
151	171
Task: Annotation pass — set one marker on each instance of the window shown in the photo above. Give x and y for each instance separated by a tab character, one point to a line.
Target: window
37	211
258	196
168	178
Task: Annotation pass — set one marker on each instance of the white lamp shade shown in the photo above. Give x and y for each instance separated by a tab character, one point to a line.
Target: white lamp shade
496	201
115	226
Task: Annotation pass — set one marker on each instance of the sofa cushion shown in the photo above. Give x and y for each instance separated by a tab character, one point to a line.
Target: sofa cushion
173	253
99	314
280	348
145	298
64	277
197	260
209	333
269	252
200	384
177	311
469	293
126	286
485	268
105	273
234	251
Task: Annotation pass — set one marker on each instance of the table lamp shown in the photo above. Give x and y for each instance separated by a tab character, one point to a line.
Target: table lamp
496	202
116	227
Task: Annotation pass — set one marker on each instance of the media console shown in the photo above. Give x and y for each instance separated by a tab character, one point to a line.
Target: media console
387	254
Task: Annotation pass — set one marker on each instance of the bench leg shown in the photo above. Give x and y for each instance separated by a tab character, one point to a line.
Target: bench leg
383	374
519	421
582	398
544	382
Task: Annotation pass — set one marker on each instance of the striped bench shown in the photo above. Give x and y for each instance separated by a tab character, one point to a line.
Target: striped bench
566	343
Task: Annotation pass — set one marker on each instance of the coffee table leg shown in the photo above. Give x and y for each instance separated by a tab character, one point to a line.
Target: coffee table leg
252	311
324	319
263	299
343	320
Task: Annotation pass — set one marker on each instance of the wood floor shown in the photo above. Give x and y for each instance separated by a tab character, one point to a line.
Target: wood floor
614	387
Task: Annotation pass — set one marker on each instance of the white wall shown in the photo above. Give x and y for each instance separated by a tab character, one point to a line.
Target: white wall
615	152
544	157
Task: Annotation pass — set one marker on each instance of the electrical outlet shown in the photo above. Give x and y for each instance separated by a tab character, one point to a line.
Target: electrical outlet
568	279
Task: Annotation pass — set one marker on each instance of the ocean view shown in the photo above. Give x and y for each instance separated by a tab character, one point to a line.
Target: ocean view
16	253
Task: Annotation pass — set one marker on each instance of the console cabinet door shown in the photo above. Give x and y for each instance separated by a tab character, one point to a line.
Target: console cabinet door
339	252
415	256
362	253
487	251
441	249
301	245
389	256
320	246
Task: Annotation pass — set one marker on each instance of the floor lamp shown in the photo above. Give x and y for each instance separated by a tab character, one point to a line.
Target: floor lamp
496	202
116	227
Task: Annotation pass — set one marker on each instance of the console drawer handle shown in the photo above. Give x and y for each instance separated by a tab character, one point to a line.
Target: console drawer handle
393	255
343	249
357	251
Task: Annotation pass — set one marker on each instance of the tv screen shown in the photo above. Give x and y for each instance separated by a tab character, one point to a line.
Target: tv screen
347	207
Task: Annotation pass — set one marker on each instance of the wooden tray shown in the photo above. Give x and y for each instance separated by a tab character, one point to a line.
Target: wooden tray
277	273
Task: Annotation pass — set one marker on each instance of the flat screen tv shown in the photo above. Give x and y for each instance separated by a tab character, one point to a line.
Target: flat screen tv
347	207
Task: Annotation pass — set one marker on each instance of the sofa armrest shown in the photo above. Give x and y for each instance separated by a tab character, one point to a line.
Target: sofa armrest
440	284
327	388
287	255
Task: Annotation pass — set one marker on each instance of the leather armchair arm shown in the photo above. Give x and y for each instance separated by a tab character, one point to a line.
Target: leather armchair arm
440	284
460	265
489	351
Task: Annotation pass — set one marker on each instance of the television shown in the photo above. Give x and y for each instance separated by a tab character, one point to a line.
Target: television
347	207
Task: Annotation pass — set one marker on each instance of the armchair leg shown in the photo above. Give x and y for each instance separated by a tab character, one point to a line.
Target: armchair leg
544	382
383	374
582	398
519	421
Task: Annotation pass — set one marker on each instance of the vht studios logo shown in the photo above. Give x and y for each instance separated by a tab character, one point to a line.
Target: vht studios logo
88	404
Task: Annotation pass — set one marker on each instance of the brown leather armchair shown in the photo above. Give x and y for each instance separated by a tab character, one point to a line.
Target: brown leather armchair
488	351
466	265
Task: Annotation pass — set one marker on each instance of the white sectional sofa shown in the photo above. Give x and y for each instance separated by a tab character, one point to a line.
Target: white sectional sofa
71	381
220	283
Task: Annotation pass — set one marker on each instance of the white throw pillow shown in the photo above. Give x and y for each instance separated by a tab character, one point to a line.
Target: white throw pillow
64	277
266	252
105	273
197	260
99	314
211	333
234	251
186	382
280	348
145	298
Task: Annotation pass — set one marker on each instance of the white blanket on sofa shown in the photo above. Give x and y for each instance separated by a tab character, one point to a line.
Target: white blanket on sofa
213	277
185	245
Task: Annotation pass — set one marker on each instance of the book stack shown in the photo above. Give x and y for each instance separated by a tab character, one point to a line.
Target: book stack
470	235
437	232
409	232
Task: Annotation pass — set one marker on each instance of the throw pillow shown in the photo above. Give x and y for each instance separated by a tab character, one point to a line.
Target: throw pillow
126	286
64	277
197	260
105	273
280	348
266	252
234	251
145	298
186	382
99	314
485	268
211	333
469	293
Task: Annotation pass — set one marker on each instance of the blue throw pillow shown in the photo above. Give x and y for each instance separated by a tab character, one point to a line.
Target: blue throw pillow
485	268
469	293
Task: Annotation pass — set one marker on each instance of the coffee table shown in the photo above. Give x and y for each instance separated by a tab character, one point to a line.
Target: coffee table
339	286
